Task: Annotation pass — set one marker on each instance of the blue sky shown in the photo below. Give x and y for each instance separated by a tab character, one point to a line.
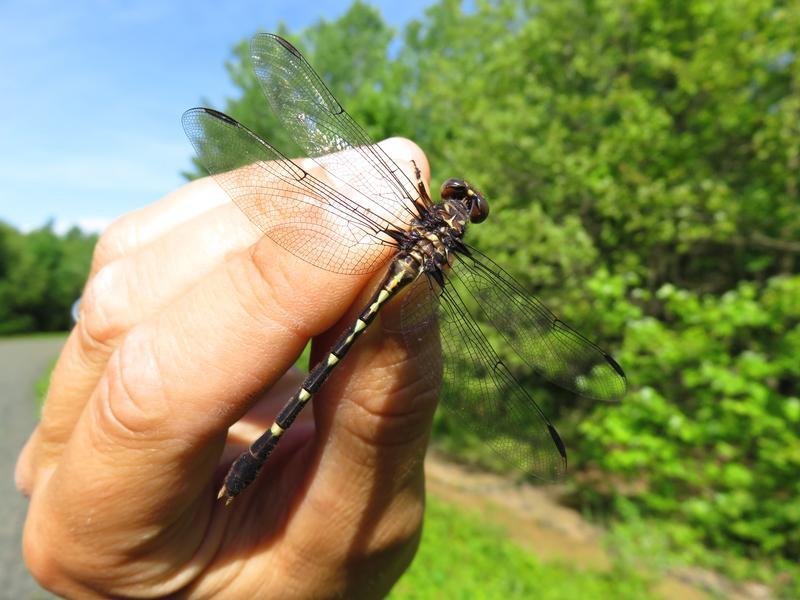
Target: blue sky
93	92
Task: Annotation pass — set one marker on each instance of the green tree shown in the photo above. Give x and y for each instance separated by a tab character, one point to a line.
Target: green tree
41	275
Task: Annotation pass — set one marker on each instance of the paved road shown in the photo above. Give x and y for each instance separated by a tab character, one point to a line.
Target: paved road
22	362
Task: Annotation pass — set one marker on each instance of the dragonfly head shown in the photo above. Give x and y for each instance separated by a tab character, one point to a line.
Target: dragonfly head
458	190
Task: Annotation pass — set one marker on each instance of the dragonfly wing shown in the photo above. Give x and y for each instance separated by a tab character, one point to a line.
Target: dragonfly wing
477	387
298	211
549	346
324	130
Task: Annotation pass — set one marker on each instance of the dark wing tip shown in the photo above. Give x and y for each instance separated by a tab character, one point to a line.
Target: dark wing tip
221	116
192	112
562	450
615	365
285	43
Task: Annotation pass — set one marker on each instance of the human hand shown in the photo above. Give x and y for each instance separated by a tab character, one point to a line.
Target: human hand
190	313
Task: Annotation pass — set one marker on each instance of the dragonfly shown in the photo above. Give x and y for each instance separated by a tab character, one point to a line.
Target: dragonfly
356	211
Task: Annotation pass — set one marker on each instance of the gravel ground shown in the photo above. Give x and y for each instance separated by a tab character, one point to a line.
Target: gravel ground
22	362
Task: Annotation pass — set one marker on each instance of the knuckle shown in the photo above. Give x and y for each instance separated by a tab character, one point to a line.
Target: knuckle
104	307
131	402
395	410
109	246
387	430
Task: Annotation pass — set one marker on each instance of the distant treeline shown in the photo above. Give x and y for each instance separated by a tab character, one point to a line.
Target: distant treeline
41	274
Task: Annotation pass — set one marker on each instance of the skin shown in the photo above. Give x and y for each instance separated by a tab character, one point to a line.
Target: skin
189	325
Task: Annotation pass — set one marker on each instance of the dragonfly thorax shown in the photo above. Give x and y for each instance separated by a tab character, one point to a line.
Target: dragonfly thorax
436	236
438	232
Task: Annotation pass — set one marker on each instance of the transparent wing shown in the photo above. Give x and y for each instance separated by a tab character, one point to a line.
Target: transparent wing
300	212
322	128
477	386
549	346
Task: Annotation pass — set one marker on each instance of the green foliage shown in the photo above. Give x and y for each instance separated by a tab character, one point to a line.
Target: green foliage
462	557
643	165
42	386
642	160
708	439
41	275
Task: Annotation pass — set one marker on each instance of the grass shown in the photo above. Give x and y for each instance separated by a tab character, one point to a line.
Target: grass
463	557
42	385
658	546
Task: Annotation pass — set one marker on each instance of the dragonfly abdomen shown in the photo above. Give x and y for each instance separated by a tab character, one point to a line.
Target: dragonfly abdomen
404	269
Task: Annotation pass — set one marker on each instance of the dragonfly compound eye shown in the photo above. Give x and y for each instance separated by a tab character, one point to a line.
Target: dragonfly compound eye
454	189
478	208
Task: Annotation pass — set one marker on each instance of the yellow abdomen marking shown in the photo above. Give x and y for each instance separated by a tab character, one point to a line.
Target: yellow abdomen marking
382	296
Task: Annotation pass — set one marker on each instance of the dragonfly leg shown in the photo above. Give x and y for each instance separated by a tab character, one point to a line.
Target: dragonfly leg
423	193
